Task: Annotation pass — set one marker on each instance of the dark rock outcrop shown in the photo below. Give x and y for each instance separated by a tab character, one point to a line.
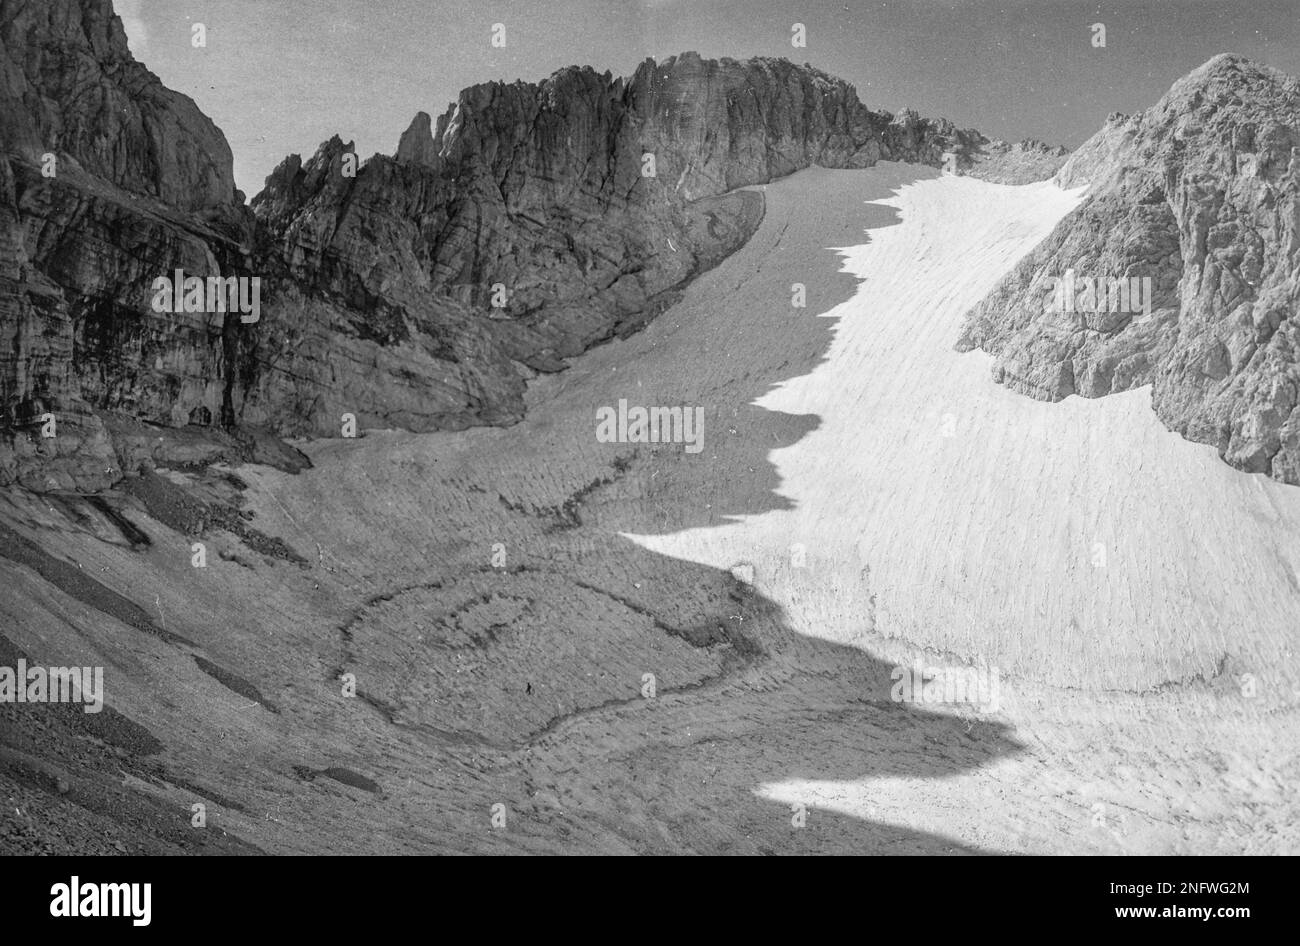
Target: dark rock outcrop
107	181
1200	194
70	86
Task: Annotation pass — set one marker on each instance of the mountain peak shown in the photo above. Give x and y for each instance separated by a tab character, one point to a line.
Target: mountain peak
1198	196
1227	71
1216	101
416	144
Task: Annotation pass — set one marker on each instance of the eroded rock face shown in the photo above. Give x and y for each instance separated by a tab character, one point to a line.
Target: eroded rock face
70	86
107	180
1200	194
415	291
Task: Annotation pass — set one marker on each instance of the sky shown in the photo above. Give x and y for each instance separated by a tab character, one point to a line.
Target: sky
281	76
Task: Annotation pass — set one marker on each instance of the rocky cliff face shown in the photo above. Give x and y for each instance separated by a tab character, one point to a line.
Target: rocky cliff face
530	222
1200	195
107	180
70	86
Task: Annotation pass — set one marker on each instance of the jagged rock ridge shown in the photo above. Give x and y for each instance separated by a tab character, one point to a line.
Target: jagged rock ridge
540	190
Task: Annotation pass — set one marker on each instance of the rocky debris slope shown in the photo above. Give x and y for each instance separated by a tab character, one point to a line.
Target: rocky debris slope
1022	162
416	291
523	684
1200	194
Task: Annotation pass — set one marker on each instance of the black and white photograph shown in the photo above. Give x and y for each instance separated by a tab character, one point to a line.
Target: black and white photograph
661	427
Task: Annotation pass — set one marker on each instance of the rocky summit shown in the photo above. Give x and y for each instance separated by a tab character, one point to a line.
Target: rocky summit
419	290
1200	198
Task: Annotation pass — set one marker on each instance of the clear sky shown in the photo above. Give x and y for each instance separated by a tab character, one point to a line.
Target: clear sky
281	76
